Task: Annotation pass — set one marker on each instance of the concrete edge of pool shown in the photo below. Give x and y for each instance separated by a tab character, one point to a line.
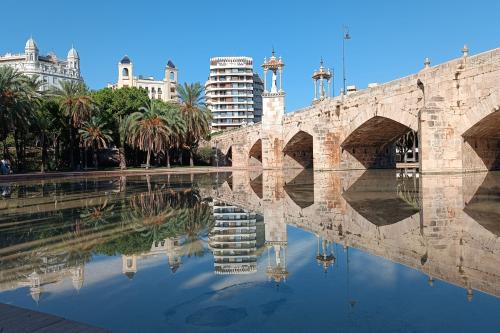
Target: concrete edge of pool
16	319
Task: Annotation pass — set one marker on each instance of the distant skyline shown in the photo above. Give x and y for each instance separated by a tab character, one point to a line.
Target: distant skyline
390	39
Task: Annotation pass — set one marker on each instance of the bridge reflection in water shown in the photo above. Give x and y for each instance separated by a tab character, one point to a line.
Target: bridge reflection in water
446	226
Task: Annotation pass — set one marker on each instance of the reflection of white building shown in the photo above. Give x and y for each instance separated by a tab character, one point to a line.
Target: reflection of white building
233	240
50	70
170	247
165	89
36	280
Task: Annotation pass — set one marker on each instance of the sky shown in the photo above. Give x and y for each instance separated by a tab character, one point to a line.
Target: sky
389	38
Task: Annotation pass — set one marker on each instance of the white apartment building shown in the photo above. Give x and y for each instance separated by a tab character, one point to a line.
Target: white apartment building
49	69
233	93
165	89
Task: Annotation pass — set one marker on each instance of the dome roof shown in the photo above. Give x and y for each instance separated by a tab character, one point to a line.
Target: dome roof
130	275
125	60
170	64
72	53
30	44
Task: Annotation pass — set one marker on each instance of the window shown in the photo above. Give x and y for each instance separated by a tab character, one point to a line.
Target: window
172	90
172	76
125	72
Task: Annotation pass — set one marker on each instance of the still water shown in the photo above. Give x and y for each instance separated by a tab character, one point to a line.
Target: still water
249	251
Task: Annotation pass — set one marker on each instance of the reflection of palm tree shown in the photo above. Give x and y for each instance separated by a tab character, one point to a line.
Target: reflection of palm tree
97	215
196	224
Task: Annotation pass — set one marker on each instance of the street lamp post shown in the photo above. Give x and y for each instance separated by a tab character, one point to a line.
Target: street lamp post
345	36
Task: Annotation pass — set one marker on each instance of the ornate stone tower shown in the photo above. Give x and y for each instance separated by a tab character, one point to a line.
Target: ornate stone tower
273	110
125	72
319	77
31	51
170	80
73	59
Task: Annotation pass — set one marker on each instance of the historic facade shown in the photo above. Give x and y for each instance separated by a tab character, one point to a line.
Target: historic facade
233	93
454	109
165	89
49	69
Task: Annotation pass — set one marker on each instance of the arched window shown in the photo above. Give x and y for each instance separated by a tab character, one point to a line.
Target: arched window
125	72
172	76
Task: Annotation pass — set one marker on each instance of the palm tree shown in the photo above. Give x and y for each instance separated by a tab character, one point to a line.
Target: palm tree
18	96
76	104
195	114
177	126
123	127
95	135
150	128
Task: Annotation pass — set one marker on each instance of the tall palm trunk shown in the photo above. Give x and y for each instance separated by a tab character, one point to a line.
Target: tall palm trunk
168	158
71	147
94	151
148	157
44	153
191	160
56	153
121	155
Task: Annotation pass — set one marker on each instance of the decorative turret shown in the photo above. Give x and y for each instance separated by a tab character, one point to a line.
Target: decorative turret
275	65
319	77
31	50
125	72
73	59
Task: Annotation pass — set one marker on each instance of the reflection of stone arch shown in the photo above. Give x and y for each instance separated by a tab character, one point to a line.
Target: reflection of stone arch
300	190
376	198
298	151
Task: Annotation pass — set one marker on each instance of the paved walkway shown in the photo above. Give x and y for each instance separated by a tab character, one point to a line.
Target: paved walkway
15	319
111	173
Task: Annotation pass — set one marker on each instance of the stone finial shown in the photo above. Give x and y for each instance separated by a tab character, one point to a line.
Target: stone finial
427	62
465	50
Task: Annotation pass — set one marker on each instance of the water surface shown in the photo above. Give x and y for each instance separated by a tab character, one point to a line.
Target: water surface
252	251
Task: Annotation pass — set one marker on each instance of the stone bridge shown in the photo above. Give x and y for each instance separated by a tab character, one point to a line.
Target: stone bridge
453	107
445	226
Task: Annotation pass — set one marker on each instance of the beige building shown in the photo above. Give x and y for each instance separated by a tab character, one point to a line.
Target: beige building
165	89
50	70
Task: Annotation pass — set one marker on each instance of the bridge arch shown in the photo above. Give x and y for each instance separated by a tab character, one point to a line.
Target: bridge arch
255	154
372	144
298	151
481	135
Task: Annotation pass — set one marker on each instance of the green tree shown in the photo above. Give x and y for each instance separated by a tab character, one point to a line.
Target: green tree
150	128
76	103
115	106
18	99
94	134
196	116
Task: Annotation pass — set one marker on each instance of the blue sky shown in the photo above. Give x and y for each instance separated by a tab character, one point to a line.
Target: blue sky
390	38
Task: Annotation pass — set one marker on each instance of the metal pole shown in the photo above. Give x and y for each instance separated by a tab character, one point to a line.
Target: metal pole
345	36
